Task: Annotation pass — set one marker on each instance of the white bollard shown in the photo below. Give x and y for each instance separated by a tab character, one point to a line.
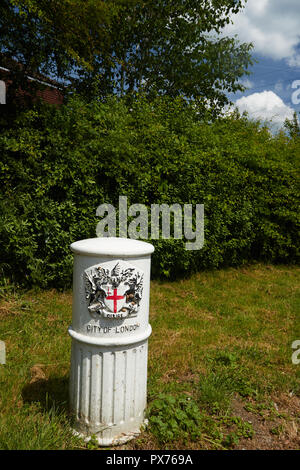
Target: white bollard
110	331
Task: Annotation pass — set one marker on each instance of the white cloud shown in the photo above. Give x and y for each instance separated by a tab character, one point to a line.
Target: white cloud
272	26
266	106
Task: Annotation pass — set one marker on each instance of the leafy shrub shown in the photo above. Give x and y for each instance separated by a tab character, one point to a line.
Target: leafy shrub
59	164
173	418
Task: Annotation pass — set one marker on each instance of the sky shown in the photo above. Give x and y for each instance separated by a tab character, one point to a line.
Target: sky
273	88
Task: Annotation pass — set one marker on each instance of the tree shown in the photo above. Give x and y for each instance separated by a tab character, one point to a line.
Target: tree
293	126
53	38
175	48
105	47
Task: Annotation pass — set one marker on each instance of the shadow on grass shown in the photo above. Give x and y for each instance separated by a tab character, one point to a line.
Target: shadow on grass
49	393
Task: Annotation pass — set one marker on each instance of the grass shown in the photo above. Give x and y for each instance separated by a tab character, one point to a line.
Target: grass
220	374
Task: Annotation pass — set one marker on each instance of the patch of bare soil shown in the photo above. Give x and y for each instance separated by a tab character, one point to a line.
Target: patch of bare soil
273	431
37	373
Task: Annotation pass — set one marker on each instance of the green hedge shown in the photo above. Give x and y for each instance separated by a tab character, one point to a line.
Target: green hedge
59	164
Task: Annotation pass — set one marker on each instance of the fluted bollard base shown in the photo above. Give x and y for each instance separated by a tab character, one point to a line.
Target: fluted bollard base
108	388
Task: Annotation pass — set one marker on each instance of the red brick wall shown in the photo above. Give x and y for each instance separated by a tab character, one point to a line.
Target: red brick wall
49	94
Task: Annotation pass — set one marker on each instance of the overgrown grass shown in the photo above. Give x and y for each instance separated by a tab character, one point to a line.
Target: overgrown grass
217	337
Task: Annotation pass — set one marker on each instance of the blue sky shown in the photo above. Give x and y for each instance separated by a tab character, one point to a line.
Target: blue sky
273	26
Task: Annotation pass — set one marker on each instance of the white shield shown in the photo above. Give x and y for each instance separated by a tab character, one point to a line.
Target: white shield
115	298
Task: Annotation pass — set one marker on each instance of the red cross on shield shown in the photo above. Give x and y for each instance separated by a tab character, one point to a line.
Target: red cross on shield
115	297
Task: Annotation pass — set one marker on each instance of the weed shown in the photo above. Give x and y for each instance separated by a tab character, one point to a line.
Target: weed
92	443
172	418
215	391
277	430
241	429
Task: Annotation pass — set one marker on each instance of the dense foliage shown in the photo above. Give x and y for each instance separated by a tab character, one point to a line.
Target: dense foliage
59	164
120	46
54	37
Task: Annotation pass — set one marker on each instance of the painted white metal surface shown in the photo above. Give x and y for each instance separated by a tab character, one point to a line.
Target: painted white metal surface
110	331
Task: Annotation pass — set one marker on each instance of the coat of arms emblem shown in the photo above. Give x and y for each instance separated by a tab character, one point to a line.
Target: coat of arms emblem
113	289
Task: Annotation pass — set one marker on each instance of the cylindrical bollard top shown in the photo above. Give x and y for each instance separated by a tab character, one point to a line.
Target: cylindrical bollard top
112	246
